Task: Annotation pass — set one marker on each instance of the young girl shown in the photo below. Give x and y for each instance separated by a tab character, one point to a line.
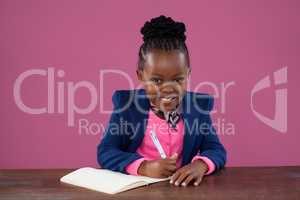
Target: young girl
162	130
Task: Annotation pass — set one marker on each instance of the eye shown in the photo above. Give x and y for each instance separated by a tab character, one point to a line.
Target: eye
156	80
179	80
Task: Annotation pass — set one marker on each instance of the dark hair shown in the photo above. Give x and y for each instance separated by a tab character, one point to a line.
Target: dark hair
162	33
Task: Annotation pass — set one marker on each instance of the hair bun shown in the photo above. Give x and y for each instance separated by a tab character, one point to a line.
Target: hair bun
163	27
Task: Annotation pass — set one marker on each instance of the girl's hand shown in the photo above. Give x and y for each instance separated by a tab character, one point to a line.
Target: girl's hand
158	168
191	172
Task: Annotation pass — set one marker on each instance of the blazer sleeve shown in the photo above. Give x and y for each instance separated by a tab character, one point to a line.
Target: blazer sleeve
111	152
211	146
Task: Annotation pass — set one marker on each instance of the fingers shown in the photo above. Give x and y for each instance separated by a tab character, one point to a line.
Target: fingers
181	178
167	168
174	177
188	180
169	164
184	179
167	173
171	167
172	159
174	156
185	175
198	181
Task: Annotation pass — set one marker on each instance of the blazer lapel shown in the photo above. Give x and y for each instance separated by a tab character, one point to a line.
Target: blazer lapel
188	119
140	115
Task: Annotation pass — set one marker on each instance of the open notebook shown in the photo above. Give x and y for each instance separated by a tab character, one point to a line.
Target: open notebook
107	181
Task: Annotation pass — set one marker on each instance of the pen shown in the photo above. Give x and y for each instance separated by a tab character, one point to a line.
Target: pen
157	144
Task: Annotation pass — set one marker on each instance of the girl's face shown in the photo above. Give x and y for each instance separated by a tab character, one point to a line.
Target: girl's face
164	78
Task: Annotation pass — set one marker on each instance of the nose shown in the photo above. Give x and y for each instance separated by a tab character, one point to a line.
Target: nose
168	88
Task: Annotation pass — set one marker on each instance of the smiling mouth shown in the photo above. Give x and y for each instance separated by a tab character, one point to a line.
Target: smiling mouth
168	99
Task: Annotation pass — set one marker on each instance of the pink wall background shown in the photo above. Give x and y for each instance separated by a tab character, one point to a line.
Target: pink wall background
239	41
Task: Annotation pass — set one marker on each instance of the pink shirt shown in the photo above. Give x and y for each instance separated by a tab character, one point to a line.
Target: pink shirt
171	141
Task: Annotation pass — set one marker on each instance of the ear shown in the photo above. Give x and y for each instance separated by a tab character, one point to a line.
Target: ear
139	74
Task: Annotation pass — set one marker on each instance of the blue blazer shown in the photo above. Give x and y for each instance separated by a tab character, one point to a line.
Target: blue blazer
128	121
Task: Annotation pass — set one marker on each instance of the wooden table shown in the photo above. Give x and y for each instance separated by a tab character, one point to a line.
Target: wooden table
231	183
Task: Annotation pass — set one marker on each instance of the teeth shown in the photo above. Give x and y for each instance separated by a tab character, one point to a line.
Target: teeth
167	98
